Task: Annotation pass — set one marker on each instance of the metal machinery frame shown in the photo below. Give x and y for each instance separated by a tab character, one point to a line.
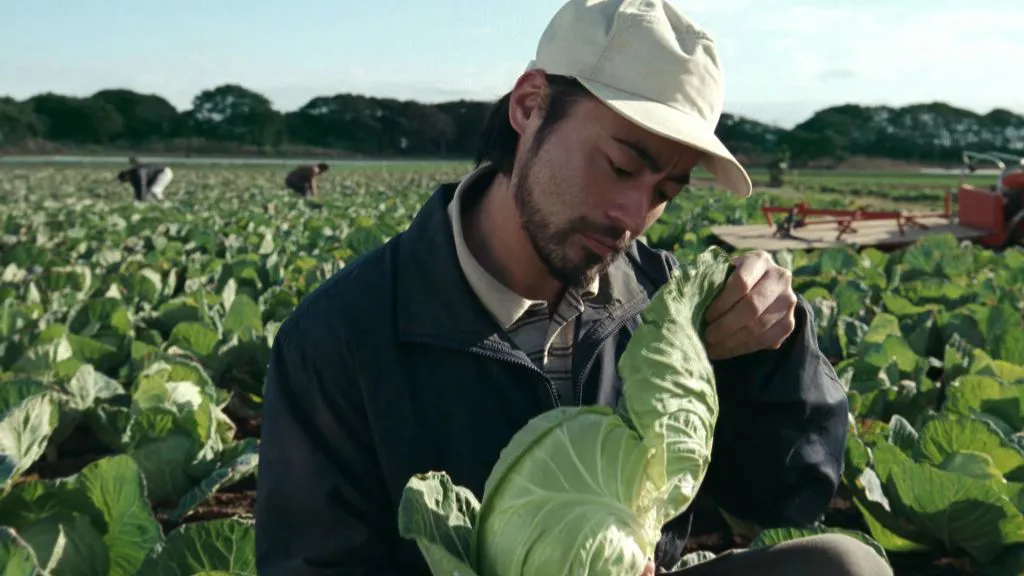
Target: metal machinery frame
797	217
998	211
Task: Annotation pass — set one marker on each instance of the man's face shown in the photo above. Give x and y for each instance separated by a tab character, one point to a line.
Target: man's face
594	184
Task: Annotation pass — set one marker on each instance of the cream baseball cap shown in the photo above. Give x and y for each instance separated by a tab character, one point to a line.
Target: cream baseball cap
649	62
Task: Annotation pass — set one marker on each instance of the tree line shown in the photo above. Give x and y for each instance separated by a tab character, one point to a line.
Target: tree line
233	117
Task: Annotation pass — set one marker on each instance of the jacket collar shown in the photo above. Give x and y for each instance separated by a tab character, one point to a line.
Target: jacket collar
436	303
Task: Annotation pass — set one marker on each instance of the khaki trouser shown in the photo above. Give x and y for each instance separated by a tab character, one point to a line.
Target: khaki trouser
822	555
156	190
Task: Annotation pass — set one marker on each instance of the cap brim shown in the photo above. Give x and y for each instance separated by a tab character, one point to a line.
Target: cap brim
680	127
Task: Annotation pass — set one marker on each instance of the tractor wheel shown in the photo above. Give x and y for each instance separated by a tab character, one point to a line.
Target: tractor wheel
1014	229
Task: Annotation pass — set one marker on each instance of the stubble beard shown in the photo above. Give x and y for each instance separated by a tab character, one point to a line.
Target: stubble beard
550	242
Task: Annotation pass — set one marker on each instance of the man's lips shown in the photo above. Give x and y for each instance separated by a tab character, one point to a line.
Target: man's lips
601	246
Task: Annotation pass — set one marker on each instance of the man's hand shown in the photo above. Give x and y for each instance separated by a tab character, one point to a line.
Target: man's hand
649	569
755	310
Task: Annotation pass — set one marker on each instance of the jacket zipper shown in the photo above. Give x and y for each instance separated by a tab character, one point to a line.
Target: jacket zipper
504	357
552	393
626	317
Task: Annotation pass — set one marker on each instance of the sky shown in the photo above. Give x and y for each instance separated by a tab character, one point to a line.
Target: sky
782	59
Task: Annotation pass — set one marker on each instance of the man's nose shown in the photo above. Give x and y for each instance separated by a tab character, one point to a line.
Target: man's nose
630	208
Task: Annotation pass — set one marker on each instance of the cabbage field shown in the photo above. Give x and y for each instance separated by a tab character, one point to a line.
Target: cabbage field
134	340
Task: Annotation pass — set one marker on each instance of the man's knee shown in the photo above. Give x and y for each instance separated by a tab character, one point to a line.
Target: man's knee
840	555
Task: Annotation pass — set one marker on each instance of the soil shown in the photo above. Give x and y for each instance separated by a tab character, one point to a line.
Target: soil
248	421
247	427
228	502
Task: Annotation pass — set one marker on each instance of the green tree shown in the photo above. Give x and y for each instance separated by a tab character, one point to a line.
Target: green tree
17	122
146	116
343	121
746	136
428	130
236	114
77	120
469	118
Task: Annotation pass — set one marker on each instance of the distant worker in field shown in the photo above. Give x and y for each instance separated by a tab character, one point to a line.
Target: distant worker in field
778	168
302	180
148	180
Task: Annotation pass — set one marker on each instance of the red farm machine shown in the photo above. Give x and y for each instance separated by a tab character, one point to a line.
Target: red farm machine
991	216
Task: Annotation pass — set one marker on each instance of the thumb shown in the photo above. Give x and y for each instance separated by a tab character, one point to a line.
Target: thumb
648	569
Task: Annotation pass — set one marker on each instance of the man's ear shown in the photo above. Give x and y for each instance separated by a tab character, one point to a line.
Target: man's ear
527	101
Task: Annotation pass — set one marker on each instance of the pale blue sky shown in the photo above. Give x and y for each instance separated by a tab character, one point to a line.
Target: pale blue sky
783	59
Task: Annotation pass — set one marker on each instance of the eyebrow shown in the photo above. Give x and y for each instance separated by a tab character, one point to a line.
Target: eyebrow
650	161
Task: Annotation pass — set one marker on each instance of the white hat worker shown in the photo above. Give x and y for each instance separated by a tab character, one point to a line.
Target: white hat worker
653	65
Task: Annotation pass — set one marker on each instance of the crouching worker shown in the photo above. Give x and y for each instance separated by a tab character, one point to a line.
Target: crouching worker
302	180
147	180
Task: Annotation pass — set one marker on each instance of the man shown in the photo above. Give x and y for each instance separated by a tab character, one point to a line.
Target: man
302	180
515	291
147	180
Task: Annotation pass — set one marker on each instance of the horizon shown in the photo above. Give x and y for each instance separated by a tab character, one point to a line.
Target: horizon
867	53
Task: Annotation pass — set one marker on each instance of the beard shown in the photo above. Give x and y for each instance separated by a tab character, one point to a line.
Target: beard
551	240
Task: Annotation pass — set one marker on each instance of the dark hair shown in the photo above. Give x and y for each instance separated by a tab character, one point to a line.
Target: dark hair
498	140
322	166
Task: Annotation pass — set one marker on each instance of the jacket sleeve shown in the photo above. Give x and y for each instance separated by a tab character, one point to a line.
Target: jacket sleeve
320	494
779	442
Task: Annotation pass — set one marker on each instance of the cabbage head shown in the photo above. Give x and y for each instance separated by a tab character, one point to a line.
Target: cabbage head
586	490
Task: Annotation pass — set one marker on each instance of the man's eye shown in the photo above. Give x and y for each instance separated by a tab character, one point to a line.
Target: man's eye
619	171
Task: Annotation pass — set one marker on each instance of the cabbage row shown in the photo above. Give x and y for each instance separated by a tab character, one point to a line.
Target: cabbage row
134	340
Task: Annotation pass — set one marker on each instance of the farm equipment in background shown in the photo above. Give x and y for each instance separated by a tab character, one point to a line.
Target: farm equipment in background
992	217
998	210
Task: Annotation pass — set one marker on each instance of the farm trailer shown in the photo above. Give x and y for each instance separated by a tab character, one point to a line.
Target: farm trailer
992	217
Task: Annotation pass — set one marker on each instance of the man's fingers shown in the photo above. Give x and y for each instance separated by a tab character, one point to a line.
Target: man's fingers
752	306
771	338
752	327
749	270
767	330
